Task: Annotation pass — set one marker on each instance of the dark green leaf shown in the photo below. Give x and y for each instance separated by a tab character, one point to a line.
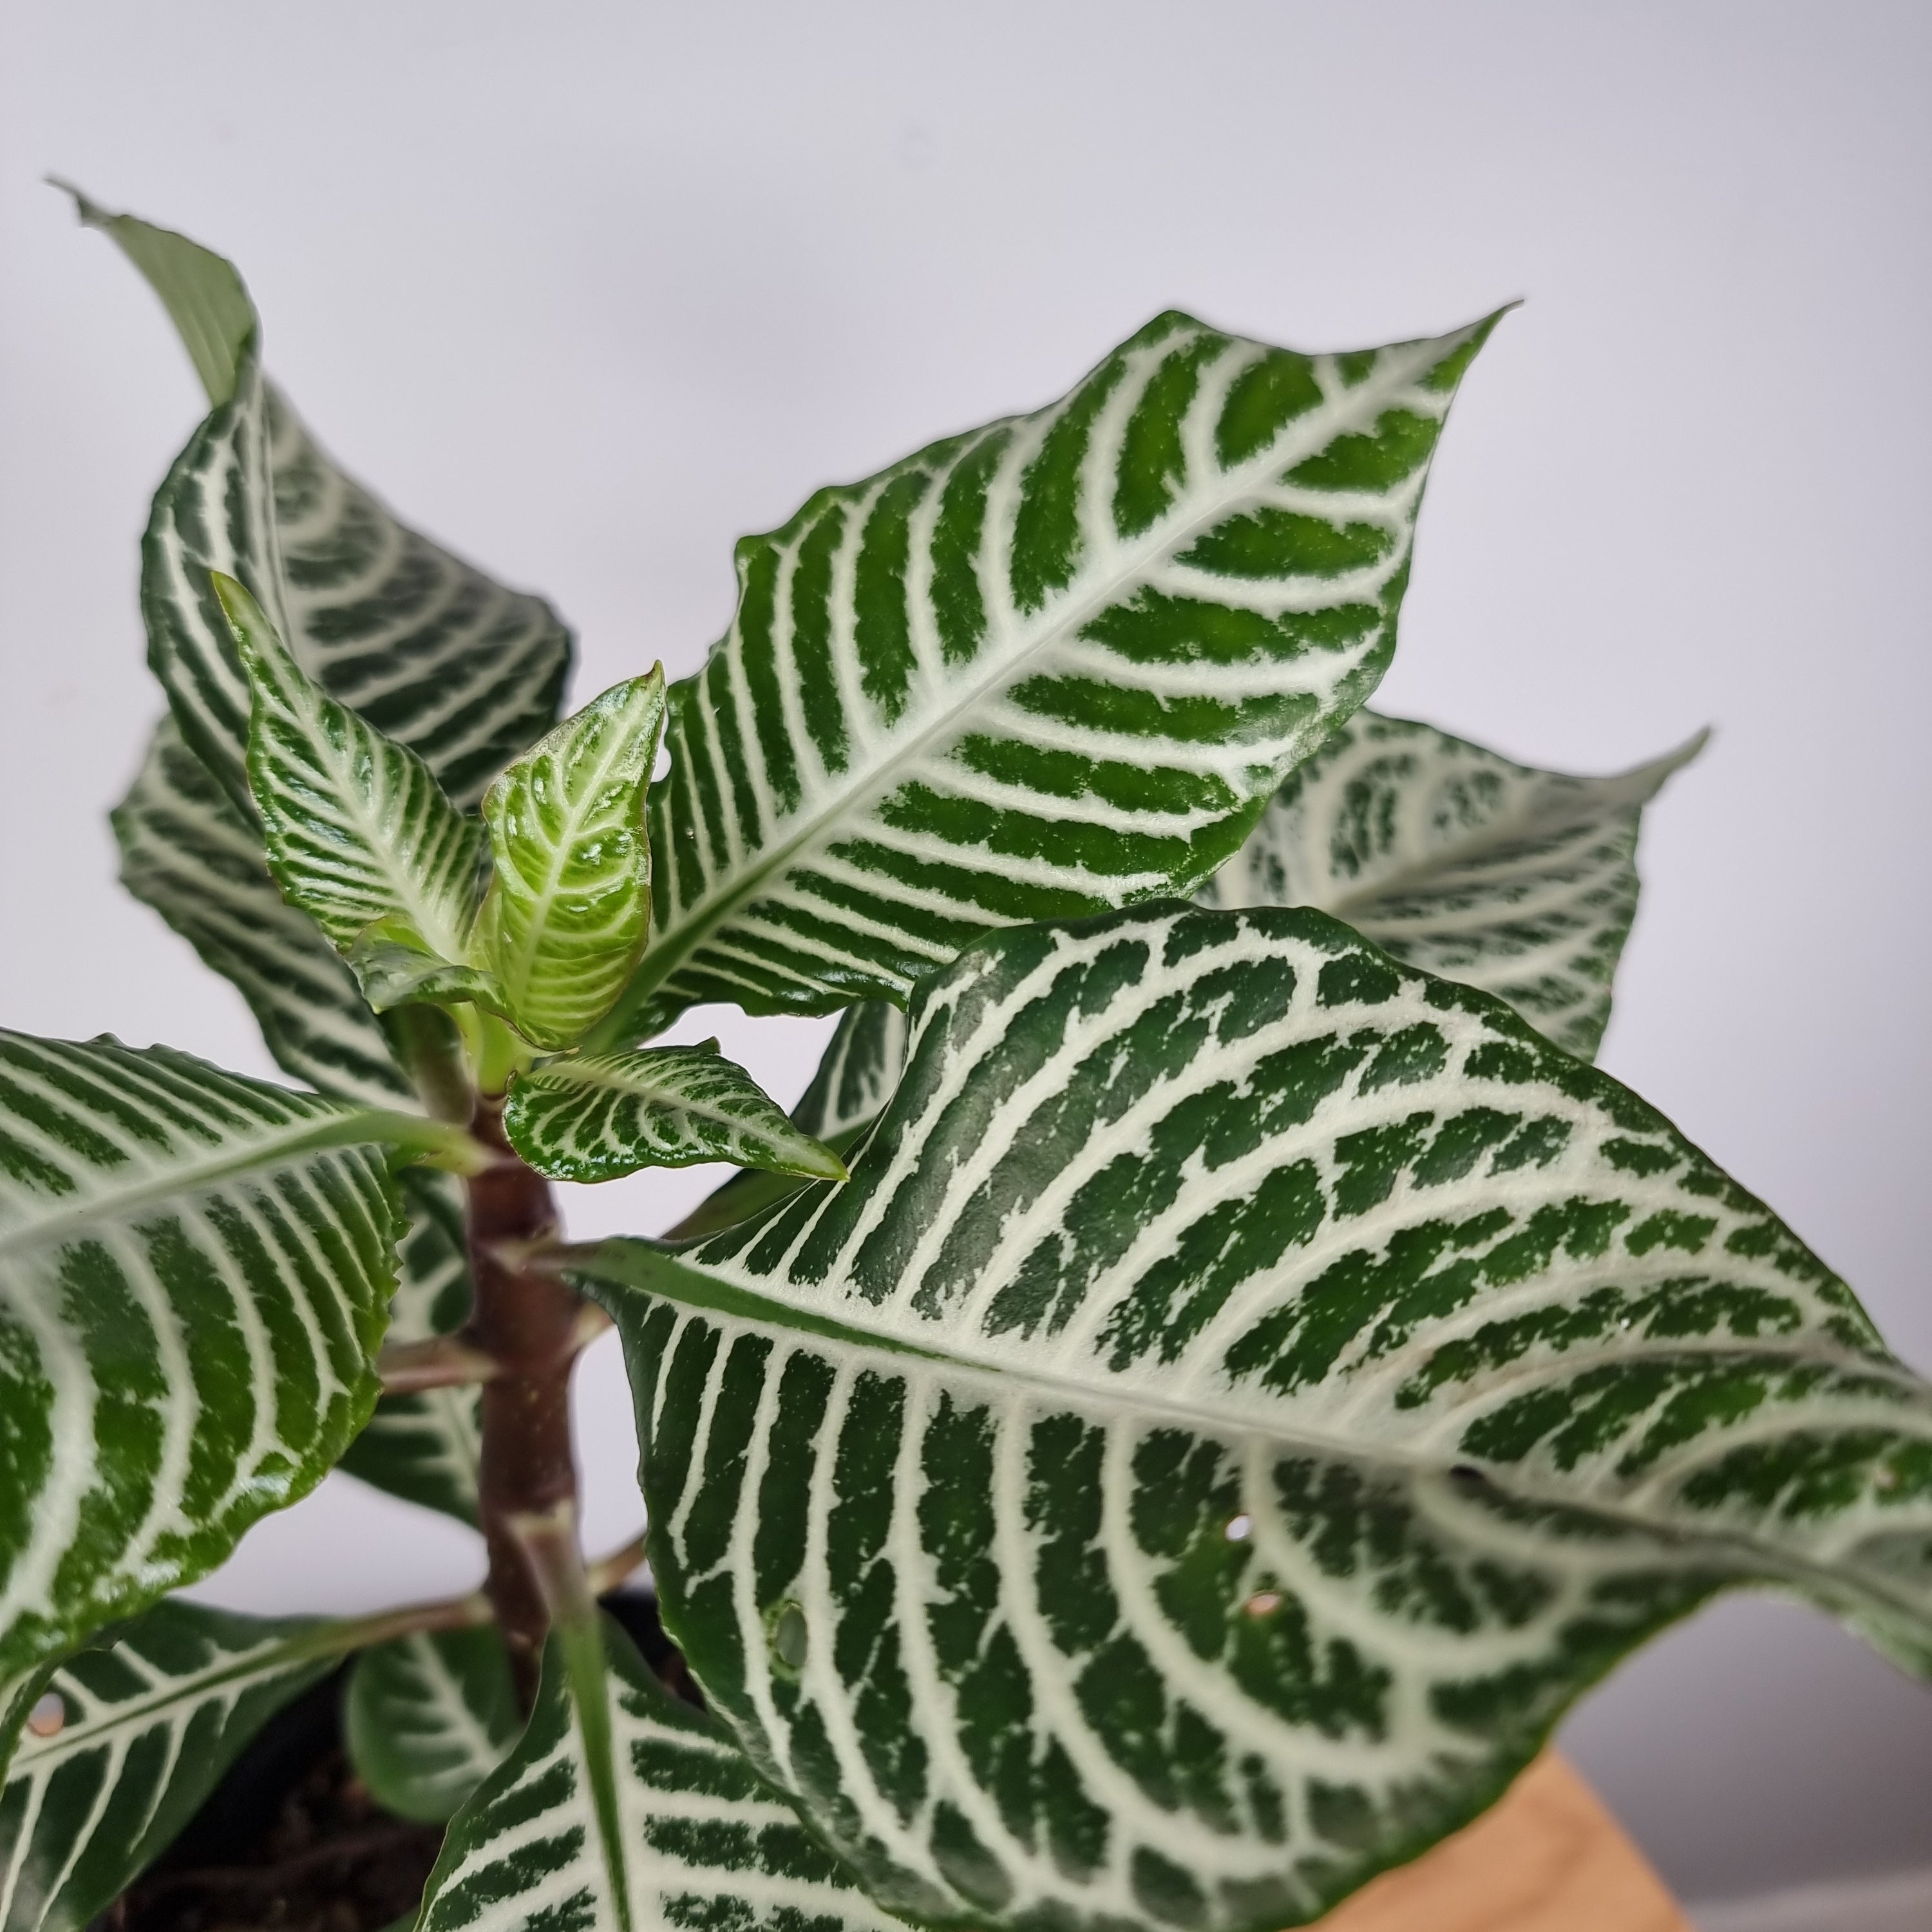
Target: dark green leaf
1247	1388
594	1118
1055	664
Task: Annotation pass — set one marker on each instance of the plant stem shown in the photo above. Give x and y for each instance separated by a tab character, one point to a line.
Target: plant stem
526	1320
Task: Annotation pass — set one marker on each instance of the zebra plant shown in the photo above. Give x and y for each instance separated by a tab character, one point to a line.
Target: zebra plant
1206	1376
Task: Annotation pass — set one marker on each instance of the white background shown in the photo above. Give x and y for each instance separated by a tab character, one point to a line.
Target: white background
588	290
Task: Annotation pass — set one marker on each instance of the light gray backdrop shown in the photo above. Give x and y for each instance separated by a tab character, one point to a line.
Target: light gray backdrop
588	290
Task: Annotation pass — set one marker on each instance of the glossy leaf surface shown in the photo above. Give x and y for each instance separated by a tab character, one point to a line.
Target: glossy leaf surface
428	1717
187	851
596	1117
854	1081
359	834
1521	882
1247	1388
1055	664
570	899
462	671
621	1808
194	1269
150	1721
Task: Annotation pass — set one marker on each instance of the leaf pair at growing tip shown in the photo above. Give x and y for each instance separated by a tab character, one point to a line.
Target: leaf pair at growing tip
537	913
535	916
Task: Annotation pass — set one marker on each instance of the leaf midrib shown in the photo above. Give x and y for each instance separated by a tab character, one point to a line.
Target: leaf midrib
341	1130
597	1074
1494	839
642	1266
581	811
676	941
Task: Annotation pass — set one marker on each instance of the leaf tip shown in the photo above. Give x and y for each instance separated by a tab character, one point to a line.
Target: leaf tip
820	1163
87	210
248	621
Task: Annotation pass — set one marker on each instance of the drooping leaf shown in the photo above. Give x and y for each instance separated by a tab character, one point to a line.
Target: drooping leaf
359	834
1521	882
193	1272
186	851
428	1717
202	293
1246	1389
570	899
393	973
1052	665
463	672
596	1117
426	1446
854	1081
621	1808
150	1721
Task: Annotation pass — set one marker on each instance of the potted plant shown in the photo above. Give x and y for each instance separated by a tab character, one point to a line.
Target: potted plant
1157	1437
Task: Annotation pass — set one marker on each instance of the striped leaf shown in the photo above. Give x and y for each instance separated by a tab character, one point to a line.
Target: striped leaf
1522	882
148	1722
428	1717
1052	665
595	1118
857	1075
621	1808
847	1093
193	1272
426	1446
1246	1390
459	671
187	852
570	899
359	834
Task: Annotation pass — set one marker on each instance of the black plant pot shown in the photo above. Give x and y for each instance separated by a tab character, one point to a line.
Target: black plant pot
290	1841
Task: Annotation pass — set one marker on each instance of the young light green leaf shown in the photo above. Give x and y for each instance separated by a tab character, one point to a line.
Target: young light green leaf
595	1118
849	1092
193	1271
147	1723
631	1813
1521	882
439	658
186	851
359	833
394	973
570	901
1246	1389
426	1446
428	1717
1055	664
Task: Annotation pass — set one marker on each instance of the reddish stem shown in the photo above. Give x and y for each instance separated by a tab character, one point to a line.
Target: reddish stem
526	1322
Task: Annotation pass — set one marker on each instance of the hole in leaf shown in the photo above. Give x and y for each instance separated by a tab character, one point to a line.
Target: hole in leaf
47	1717
1239	1529
786	1623
1263	1603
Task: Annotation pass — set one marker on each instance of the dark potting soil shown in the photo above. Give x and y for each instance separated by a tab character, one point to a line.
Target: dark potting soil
290	1840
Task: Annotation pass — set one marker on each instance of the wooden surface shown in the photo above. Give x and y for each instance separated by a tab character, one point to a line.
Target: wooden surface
1548	1858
